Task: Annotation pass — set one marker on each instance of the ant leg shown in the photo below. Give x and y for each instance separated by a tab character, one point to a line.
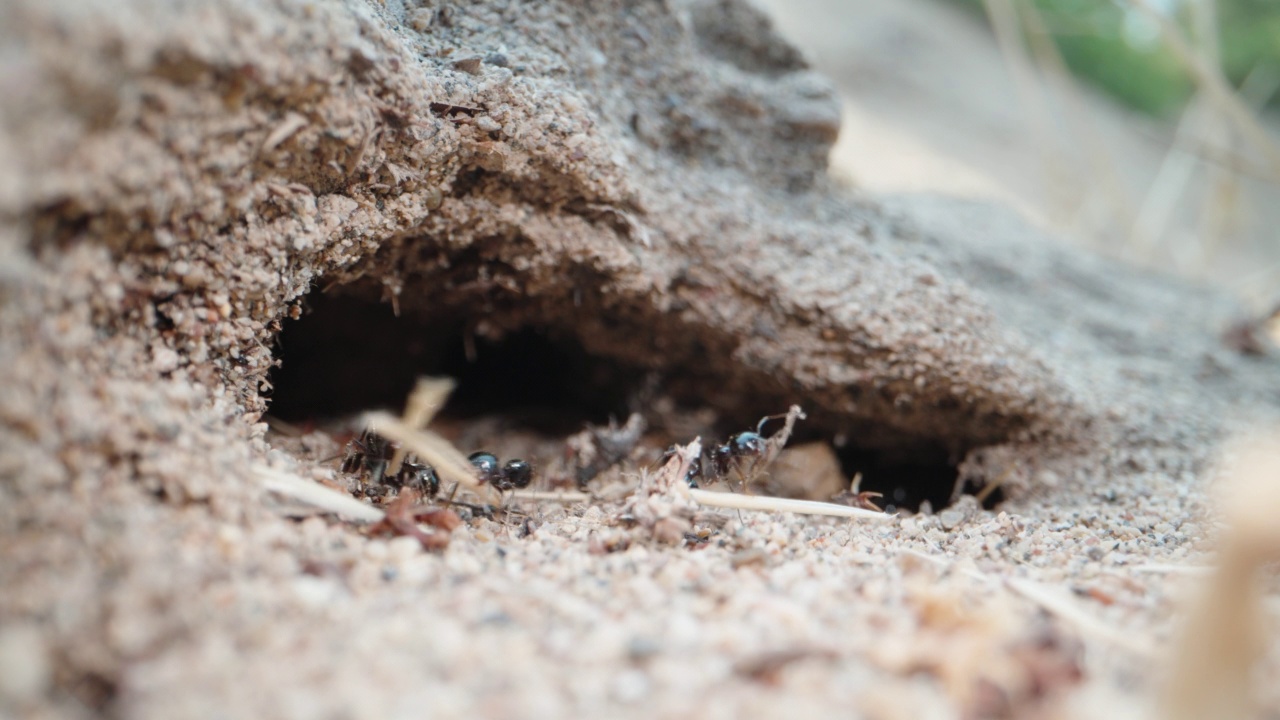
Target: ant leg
742	479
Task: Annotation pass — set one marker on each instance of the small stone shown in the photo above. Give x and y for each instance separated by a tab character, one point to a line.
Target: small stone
433	198
165	359
314	593
810	471
671	530
1048	478
630	686
951	518
421	19
469	65
642	648
750	556
497	59
25	671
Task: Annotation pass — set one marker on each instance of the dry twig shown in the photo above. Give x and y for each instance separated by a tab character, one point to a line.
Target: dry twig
451	464
315	494
425	400
765	503
1225	631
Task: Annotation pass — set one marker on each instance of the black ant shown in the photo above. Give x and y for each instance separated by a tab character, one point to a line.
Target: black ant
515	474
419	476
744	454
368	457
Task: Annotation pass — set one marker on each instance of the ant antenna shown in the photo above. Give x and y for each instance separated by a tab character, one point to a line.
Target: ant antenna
767	418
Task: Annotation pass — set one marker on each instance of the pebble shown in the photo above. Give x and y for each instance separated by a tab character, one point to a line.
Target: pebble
630	686
951	518
25	667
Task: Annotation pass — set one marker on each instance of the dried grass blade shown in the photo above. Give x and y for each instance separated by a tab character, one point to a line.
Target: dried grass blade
774	504
424	401
315	494
451	464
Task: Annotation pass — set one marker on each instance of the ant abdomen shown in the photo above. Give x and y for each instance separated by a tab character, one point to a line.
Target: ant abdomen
515	474
486	465
420	477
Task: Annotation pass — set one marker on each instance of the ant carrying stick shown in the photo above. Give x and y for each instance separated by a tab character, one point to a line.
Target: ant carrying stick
745	454
368	458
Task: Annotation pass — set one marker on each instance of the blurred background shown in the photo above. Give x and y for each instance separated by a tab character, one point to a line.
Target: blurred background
1145	129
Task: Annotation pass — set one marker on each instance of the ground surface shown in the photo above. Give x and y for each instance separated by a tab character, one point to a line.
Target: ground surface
632	200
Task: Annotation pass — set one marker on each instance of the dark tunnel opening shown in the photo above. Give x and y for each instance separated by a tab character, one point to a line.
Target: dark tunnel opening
908	480
346	355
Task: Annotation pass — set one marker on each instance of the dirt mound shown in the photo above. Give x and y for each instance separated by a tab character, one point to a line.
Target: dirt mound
632	192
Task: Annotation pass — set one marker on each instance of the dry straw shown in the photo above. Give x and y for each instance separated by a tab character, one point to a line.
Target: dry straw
1226	630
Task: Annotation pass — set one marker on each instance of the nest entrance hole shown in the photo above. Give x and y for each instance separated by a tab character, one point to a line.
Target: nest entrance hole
347	355
907	479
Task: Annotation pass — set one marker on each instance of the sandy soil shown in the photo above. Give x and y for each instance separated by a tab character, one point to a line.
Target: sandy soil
632	202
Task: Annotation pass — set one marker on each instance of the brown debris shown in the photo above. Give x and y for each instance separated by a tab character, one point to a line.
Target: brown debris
661	504
403	515
603	543
748	557
1247	337
597	449
865	499
767	668
470	65
448	110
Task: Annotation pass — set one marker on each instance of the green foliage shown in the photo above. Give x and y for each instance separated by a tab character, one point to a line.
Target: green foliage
1250	36
1091	36
1149	80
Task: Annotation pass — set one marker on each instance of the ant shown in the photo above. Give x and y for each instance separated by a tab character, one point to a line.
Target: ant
368	456
419	476
515	474
744	454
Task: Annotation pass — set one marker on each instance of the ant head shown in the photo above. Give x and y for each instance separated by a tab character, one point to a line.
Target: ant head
691	475
746	444
486	464
518	473
428	480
